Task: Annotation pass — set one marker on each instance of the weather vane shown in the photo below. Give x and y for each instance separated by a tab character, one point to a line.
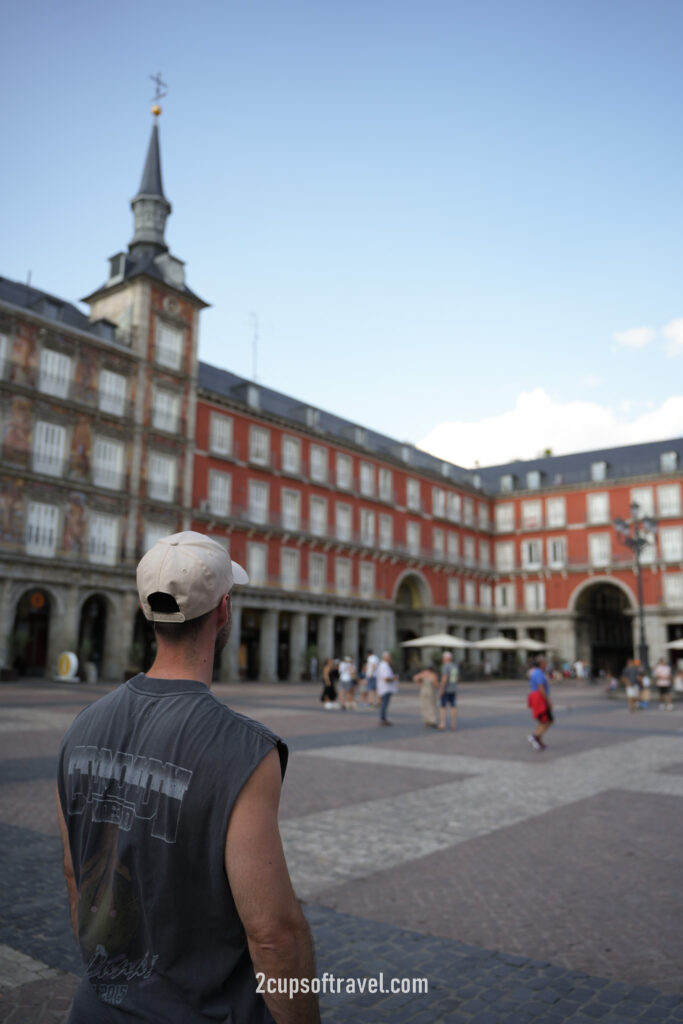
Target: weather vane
159	93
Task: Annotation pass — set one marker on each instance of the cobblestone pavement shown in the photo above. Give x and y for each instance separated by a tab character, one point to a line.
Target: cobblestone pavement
523	887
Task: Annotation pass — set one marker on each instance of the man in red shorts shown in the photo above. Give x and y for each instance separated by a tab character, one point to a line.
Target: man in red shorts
539	702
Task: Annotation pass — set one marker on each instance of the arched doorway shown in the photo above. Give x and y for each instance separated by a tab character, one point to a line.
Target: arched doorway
412	596
91	632
604	628
31	633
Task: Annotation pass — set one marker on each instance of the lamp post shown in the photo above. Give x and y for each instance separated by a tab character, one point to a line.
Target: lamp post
636	533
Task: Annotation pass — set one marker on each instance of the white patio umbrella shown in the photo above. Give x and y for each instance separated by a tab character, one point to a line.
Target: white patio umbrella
675	645
437	640
527	644
496	643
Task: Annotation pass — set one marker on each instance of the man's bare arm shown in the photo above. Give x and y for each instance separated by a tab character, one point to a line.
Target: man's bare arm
68	869
279	939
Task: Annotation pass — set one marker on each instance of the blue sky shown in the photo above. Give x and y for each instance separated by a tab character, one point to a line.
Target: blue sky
448	217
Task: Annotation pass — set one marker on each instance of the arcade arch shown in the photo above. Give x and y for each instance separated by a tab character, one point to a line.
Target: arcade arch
603	616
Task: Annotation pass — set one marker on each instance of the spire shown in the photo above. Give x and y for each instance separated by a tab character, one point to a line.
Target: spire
150	206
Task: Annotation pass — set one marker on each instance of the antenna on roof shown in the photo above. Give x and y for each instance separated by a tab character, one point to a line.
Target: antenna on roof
28	278
254	345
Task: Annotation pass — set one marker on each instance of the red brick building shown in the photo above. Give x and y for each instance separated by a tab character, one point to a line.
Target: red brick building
114	434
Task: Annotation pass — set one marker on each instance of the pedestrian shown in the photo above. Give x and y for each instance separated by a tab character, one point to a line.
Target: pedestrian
387	684
540	704
347	683
663	681
631	677
448	691
167	802
329	694
427	679
371	663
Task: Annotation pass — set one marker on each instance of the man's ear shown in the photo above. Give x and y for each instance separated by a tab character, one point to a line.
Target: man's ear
223	610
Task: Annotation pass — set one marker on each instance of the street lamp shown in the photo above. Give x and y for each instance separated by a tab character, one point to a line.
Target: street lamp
636	533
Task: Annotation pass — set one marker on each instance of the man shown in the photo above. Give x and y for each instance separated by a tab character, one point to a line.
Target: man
167	801
539	702
631	678
448	691
387	683
371	663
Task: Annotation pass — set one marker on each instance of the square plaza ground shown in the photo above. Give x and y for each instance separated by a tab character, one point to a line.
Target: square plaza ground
523	886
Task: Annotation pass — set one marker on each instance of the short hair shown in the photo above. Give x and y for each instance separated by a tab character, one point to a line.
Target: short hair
181	632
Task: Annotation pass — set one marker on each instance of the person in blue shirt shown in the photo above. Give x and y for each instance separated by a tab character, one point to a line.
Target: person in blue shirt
540	704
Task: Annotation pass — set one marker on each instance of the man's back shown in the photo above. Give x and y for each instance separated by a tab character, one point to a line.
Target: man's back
148	777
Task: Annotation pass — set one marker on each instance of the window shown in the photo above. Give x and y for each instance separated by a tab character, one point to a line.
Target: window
668	462
599	551
484	554
597	507
313	418
413	495
453	547
486	596
49	443
259	445
367	479
112	393
161	477
557	552
220	434
644	499
359	436
453	592
533	480
413	541
386	485
532	554
169	345
258	501
42	522
386	532
468	512
470	594
505	597
343	521
454	505
505	556
672	584
220	486
318	463
257	561
165	410
598	471
483	516
532	515
317	572
253	400
342	576
438	543
344	467
505	517
153	533
555	512
534	597
367	527
289	568
669	500
103	539
291	454
469	549
671	543
318	516
507	483
438	502
291	509
54	377
366	580
107	464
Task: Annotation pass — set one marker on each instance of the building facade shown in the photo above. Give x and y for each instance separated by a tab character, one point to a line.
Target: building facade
114	434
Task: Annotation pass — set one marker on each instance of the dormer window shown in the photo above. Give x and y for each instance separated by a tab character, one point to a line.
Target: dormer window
533	479
598	471
312	418
668	462
359	436
252	396
507	482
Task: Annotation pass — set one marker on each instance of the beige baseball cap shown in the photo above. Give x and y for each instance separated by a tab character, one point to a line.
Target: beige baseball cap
191	569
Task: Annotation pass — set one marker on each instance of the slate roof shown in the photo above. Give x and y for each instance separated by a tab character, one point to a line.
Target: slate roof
151	185
49	306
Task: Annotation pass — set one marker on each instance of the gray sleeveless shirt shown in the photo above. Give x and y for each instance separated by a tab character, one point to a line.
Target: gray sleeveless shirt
148	777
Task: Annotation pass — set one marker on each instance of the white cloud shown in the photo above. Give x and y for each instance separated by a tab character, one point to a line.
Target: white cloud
673	331
635	337
590	380
538	422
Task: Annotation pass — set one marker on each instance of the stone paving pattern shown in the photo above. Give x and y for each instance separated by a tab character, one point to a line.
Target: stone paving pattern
524	887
